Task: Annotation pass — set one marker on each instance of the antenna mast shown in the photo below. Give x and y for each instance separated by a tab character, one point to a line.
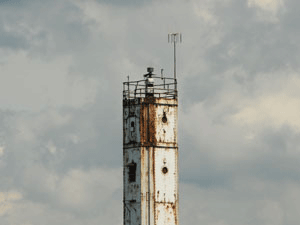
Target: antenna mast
174	38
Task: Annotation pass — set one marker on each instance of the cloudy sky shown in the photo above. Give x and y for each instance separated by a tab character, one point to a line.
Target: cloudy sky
62	64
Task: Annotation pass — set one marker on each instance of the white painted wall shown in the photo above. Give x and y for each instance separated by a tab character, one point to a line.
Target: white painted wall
154	199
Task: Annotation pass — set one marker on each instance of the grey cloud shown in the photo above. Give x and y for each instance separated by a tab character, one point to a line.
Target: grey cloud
278	156
217	188
56	31
3	2
130	3
32	168
255	46
12	41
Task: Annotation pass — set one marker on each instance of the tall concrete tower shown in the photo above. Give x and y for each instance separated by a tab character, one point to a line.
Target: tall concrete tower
150	151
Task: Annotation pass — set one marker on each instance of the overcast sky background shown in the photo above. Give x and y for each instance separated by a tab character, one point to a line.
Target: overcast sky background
62	64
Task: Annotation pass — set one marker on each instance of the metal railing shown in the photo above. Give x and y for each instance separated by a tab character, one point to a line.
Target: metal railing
163	87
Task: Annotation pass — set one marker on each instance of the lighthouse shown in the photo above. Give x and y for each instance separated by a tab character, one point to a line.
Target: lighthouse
150	150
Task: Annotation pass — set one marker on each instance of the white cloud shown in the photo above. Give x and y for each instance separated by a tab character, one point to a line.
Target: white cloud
268	9
40	180
223	139
74	138
37	84
29	126
266	204
51	147
271	212
1	151
31	213
275	106
268	5
101	19
7	199
204	10
78	189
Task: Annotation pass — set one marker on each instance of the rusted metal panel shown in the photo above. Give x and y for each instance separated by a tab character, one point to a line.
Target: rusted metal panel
166	126
165	214
158	122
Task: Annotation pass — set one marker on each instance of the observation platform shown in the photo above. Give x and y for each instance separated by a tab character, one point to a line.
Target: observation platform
151	86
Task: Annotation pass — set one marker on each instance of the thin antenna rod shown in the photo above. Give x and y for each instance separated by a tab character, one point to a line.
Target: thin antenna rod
174	38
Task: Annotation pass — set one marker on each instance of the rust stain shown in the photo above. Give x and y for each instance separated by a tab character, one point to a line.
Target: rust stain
152	124
150	120
154	187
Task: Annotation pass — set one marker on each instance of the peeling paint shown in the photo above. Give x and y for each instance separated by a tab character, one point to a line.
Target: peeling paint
150	141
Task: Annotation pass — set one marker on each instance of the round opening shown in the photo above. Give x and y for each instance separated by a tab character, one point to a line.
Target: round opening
165	170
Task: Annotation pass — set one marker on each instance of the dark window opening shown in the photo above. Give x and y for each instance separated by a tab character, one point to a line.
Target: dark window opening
165	170
132	172
164	119
132	124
